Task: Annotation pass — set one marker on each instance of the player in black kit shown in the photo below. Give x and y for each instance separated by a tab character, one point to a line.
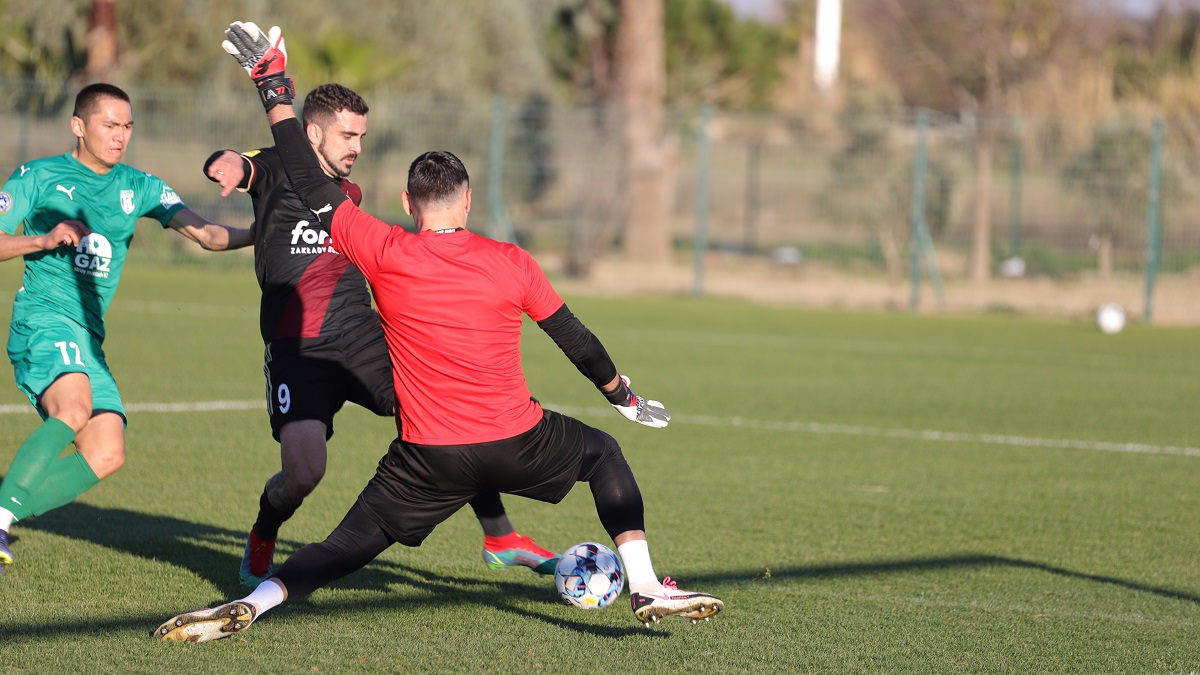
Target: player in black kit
324	342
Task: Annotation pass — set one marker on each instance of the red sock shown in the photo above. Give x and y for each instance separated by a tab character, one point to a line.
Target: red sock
509	540
257	542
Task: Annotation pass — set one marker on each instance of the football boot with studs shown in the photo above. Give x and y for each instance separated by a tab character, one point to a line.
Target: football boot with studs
670	601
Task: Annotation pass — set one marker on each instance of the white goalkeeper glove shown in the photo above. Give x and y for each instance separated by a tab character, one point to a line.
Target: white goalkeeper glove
264	56
635	408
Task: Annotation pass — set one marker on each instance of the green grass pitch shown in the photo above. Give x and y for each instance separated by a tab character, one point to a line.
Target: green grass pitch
867	493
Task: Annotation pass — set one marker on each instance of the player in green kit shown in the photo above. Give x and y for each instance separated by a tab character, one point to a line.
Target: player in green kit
78	212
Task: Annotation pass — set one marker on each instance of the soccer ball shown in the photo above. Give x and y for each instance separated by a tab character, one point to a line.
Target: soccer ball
1110	318
589	576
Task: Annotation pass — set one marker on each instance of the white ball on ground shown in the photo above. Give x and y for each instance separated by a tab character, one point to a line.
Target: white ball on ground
1110	318
589	576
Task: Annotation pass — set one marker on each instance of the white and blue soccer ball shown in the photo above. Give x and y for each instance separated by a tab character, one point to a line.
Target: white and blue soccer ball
589	576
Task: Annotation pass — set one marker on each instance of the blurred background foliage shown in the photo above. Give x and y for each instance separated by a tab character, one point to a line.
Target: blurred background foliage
1032	57
1043	111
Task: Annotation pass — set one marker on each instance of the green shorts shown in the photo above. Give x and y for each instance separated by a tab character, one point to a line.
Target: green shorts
44	348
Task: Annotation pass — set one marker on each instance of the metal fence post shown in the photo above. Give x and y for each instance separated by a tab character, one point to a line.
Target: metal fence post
753	164
499	227
918	212
1153	229
702	173
1014	200
922	242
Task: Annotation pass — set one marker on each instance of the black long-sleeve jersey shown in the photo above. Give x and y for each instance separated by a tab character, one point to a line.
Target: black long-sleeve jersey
309	290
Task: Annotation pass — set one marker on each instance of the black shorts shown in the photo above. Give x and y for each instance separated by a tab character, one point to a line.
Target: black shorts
416	487
312	380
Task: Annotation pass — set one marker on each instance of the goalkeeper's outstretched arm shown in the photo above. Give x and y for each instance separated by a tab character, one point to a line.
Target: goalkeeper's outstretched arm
585	350
264	57
582	347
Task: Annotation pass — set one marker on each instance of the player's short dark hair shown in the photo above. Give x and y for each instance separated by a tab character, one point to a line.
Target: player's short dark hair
436	176
87	100
327	100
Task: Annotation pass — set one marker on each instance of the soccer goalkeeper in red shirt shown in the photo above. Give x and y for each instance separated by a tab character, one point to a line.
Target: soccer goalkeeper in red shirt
451	303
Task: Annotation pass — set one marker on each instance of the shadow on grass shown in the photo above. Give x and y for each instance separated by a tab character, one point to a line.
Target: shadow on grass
949	562
204	550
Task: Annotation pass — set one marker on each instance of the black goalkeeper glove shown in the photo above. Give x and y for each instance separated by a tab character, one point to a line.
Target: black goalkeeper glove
264	56
635	408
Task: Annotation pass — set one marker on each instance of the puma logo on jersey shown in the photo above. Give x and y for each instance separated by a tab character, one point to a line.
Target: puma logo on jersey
66	191
324	209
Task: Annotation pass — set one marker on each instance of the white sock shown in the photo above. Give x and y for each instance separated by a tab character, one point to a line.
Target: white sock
268	595
635	556
6	519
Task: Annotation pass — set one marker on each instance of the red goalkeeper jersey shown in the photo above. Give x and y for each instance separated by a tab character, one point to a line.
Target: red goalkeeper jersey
452	304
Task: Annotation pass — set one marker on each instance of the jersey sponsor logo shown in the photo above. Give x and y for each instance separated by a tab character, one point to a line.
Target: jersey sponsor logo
307	240
168	197
66	191
93	256
23	170
5	202
127	201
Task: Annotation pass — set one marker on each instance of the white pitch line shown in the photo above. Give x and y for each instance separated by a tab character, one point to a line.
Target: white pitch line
188	407
744	423
917	434
948	436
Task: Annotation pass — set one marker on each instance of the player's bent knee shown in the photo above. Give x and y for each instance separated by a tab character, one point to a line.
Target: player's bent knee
106	464
303	483
75	416
102	444
301	478
600	449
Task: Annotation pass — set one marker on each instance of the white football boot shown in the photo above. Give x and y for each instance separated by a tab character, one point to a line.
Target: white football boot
208	624
670	601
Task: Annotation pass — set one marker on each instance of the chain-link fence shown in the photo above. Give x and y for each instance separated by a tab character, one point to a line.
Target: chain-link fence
835	191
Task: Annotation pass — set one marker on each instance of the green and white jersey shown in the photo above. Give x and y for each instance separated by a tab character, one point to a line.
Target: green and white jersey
79	282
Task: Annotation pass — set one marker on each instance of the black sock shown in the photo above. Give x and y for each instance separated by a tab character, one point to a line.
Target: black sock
270	518
489	510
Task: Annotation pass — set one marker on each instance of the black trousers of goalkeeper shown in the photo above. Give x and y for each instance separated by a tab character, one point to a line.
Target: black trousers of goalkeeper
417	487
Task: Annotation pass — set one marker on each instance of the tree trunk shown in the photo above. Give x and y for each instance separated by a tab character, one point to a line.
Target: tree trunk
641	86
596	211
981	228
102	40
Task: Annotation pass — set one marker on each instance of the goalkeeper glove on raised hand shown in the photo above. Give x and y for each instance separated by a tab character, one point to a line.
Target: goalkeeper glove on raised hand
264	56
635	408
